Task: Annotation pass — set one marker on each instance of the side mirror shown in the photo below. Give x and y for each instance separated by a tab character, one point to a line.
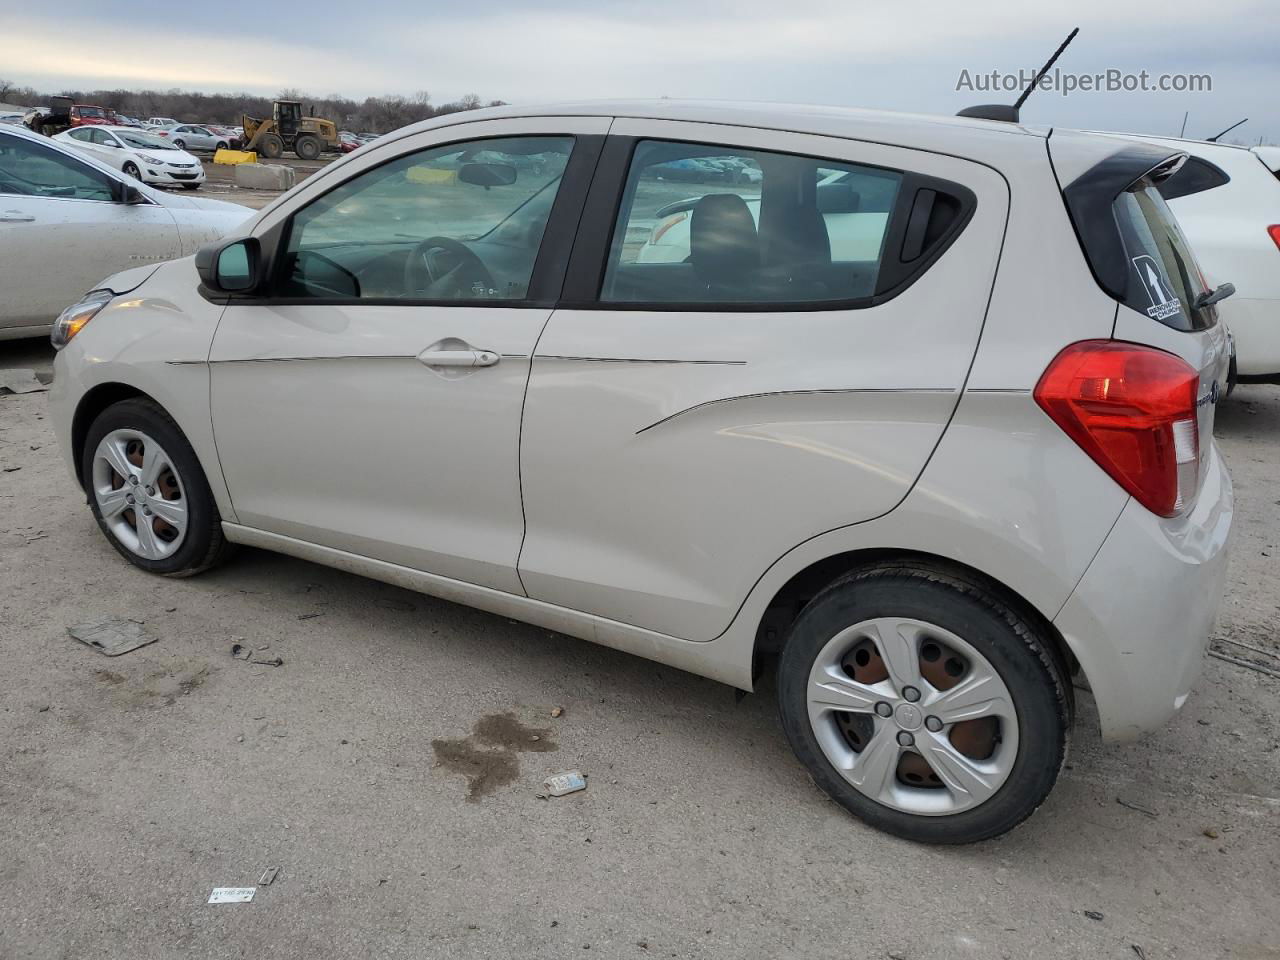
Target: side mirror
230	267
487	174
129	194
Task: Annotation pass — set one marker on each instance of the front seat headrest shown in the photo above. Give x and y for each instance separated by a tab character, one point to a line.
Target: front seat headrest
723	245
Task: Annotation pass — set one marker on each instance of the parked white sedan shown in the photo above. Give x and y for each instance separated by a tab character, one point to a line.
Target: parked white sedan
143	156
67	221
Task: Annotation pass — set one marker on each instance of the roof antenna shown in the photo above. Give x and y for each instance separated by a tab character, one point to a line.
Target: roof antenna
1009	114
1214	138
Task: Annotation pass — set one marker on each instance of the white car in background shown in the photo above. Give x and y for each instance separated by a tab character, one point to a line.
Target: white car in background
1227	199
138	154
192	136
164	122
67	221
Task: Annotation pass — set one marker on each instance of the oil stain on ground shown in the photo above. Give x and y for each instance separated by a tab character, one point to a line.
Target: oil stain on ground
489	758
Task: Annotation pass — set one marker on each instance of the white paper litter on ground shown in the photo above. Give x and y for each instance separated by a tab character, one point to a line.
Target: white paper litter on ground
232	894
562	783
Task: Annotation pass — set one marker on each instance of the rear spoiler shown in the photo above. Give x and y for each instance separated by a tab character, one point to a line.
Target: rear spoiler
1089	198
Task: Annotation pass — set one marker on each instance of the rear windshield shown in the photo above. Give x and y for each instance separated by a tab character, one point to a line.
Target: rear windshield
1165	280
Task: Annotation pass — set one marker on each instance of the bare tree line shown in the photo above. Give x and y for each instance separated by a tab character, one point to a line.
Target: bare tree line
374	114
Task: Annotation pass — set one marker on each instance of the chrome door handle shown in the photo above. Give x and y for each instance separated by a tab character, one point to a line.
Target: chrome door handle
458	358
15	216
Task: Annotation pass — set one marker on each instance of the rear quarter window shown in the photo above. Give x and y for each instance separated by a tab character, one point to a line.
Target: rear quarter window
1164	278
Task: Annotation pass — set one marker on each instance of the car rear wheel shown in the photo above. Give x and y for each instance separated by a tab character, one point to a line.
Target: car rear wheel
131	170
180	144
148	493
220	145
924	703
307	148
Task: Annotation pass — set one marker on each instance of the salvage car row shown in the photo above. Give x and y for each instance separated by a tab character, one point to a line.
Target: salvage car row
920	410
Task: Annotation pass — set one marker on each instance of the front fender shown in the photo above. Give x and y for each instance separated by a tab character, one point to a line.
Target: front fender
145	342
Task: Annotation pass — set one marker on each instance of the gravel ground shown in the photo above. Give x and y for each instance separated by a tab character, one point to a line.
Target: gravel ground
388	768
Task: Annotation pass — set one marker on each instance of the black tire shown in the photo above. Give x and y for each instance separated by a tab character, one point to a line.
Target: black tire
204	546
191	186
180	144
1015	647
271	146
131	170
307	147
220	145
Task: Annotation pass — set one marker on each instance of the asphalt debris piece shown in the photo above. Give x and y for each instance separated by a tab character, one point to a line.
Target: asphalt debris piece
1094	915
112	636
20	380
557	711
268	876
1140	808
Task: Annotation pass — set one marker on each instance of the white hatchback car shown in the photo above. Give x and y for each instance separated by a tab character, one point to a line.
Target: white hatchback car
67	221
141	155
932	481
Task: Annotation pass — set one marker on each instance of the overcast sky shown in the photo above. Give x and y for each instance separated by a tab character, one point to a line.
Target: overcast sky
905	55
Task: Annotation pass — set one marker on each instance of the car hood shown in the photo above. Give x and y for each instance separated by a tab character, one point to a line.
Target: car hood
179	201
127	280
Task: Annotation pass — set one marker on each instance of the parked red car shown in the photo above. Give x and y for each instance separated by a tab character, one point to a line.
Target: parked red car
86	114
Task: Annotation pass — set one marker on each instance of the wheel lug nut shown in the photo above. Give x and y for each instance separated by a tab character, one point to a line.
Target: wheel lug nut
911	694
128	498
151	491
933	723
906	739
133	480
883	709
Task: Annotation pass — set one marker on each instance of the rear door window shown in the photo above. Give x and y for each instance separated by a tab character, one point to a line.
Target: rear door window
1165	279
705	224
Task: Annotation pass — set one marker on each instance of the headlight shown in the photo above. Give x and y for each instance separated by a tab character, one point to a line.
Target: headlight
149	158
72	319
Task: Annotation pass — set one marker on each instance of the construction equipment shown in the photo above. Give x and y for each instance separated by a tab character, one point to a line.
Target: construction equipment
288	129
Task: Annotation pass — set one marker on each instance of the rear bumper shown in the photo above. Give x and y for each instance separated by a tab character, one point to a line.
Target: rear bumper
1139	620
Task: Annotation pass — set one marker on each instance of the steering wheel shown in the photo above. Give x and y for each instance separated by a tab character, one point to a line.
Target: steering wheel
422	275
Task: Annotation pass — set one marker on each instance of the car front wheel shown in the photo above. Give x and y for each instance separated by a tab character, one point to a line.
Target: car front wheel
131	170
924	703
148	492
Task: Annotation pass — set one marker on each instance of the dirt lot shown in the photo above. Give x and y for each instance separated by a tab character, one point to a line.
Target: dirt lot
220	180
130	787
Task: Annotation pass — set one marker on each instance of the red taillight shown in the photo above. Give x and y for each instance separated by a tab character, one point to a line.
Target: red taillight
1133	410
1274	230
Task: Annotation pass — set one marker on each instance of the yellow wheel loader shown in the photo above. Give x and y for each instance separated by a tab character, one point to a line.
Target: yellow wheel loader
288	129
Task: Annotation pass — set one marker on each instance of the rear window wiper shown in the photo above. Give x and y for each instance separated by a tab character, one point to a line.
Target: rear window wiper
1215	296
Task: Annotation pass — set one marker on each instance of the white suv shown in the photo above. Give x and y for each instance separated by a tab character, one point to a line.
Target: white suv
931	479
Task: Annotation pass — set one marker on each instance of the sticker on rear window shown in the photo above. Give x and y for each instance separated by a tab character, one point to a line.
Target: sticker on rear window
1163	303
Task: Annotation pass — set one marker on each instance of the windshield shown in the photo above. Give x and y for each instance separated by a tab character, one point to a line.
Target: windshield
92	112
144	141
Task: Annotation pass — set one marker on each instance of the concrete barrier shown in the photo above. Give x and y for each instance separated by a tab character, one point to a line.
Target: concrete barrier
261	176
